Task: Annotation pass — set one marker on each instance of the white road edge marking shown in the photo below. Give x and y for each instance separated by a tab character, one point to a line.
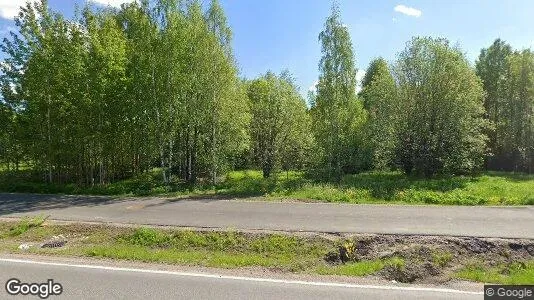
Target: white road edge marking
256	279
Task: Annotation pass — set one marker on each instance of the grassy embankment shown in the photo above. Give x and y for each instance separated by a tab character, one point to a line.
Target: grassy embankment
302	254
184	247
387	187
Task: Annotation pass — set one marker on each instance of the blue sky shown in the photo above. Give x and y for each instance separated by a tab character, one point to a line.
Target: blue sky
282	34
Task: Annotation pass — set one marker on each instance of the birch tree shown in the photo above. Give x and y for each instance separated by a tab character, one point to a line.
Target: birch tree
338	114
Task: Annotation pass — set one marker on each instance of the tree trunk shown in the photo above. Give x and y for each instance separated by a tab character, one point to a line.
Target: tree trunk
213	146
49	141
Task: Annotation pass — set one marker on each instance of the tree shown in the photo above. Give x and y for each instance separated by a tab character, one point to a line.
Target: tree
337	114
6	119
507	77
441	101
141	138
49	54
229	111
279	123
518	114
492	67
11	151
120	91
215	110
379	93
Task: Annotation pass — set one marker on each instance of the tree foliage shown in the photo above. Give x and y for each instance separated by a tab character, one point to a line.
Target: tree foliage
280	123
441	104
120	91
115	92
379	93
507	76
337	114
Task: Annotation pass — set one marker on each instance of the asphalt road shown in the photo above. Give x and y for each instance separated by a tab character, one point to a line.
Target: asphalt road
505	222
79	282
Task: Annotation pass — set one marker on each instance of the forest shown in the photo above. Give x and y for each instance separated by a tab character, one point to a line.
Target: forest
113	94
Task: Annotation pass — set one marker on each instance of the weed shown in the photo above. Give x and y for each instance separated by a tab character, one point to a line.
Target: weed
441	258
26	224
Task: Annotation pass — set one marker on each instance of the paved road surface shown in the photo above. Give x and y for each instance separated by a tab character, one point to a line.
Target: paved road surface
506	222
96	283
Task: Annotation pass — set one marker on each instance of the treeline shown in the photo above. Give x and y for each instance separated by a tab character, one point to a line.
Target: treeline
432	113
116	92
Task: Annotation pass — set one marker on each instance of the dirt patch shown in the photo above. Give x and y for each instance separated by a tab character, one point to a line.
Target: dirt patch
432	259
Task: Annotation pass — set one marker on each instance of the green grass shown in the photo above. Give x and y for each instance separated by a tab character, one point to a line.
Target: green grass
514	274
146	184
23	226
490	188
227	249
393	187
202	248
210	259
218	241
210	249
361	268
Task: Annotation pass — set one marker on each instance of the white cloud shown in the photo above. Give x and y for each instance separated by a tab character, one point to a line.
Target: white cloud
114	3
9	9
313	87
359	77
409	11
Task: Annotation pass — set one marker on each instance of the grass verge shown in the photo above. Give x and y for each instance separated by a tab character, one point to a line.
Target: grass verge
390	257
515	274
491	188
362	268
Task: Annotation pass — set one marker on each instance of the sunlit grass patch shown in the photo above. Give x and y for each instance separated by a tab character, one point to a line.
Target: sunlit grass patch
361	268
516	273
213	249
25	224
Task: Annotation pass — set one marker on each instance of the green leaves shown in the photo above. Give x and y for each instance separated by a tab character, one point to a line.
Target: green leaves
379	93
337	114
117	92
442	125
280	123
509	100
106	96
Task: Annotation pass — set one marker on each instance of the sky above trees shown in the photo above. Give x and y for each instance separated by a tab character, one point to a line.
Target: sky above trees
279	34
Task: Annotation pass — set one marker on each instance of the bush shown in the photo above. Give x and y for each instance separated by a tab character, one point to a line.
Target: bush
147	237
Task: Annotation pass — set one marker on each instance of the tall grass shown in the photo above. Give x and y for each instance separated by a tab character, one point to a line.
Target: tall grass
491	188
